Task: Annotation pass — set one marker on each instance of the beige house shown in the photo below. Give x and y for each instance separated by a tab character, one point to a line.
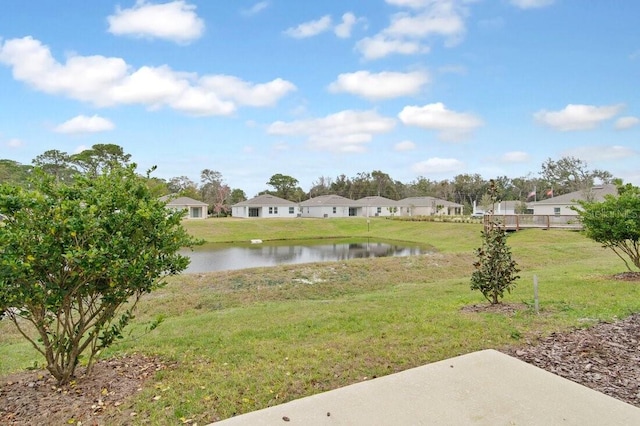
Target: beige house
265	206
326	206
377	206
195	209
562	204
428	206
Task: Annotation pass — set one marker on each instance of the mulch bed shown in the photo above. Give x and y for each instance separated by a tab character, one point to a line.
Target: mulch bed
32	397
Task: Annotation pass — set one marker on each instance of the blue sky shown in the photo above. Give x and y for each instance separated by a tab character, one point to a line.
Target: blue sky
430	88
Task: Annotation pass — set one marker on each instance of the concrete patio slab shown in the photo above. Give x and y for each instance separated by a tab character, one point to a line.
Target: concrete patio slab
480	388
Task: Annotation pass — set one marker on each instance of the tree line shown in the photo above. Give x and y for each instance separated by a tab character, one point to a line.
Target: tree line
555	177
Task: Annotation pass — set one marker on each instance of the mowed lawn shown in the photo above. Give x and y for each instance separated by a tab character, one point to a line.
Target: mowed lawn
244	340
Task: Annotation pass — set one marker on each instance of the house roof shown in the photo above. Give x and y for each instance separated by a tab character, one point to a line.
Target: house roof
426	202
596	193
265	200
376	201
181	201
328	200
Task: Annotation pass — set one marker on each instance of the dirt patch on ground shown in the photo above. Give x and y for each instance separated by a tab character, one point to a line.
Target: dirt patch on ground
628	276
604	357
498	308
32	397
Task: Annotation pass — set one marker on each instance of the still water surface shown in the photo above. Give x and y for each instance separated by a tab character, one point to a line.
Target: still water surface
221	257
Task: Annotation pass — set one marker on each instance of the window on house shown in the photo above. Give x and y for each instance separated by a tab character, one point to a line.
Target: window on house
292	210
275	210
270	210
335	210
379	210
556	210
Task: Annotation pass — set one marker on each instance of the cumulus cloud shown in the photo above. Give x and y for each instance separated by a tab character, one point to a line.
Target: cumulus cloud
624	123
438	165
602	152
381	45
516	157
577	117
345	131
405	146
104	81
407	31
383	85
532	4
176	21
310	29
343	29
84	124
450	125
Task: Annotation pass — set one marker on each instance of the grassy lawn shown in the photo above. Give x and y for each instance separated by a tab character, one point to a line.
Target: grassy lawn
244	340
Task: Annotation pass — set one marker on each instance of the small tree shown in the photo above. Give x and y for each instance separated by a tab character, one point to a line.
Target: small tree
615	223
495	271
76	258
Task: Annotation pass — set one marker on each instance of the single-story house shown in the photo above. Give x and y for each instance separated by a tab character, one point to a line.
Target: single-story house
427	206
195	209
562	204
377	206
503	207
265	206
329	206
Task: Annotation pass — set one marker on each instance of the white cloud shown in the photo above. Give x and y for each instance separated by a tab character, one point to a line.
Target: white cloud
532	4
441	21
624	123
175	21
438	165
244	93
15	143
451	125
343	29
104	81
577	117
407	31
345	131
310	29
602	153
516	157
383	85
256	8
405	146
380	46
84	124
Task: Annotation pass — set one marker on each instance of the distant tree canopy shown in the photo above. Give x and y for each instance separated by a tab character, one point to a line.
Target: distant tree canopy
556	177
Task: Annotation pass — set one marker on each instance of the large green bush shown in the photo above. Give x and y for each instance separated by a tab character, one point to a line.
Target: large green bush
76	257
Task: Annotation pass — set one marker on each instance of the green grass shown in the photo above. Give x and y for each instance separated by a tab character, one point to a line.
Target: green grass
244	340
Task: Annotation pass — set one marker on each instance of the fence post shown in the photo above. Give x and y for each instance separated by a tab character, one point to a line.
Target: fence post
535	294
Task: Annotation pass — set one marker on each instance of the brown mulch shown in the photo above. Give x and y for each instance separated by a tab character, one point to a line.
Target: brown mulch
604	357
32	397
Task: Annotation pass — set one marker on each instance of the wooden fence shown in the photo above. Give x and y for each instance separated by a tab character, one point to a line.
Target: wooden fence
515	222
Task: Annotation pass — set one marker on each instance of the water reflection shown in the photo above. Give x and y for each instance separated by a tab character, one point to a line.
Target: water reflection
217	257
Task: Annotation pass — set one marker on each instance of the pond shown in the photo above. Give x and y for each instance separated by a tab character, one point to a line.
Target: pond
221	257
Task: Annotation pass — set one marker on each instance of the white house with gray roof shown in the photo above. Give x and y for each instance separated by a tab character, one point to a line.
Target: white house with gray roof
326	206
428	206
265	206
377	206
562	204
195	209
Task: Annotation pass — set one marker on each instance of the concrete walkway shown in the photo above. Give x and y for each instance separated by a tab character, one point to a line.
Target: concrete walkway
481	388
